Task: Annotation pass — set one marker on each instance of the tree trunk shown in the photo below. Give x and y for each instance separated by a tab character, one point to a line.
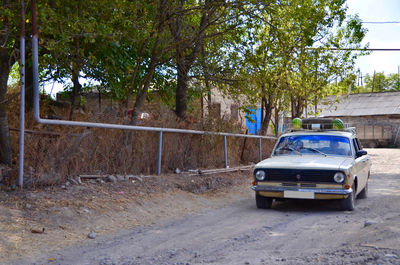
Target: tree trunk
268	106
76	89
297	106
28	87
184	59
276	121
5	141
142	94
181	89
28	76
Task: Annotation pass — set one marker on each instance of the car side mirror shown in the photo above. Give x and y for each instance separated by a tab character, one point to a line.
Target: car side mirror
361	153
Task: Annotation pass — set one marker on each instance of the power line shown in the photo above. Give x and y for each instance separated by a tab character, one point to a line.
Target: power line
380	22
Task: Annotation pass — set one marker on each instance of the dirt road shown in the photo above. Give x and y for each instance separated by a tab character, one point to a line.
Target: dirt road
293	232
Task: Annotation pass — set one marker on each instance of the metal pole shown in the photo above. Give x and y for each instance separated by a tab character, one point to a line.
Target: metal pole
22	100
35	61
225	152
259	148
159	154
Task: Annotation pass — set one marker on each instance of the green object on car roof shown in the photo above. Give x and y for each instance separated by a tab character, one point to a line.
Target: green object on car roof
297	123
338	124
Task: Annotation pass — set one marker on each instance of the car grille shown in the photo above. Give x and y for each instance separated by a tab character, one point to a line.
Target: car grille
289	175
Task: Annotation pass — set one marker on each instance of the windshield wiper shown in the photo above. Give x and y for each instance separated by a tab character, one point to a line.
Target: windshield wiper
289	149
314	150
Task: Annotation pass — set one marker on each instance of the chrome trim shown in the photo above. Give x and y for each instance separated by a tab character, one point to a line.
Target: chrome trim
318	191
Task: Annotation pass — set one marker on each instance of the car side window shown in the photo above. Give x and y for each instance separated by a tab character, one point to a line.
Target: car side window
356	145
360	147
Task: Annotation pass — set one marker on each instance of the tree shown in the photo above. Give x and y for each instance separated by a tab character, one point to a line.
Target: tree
70	31
9	17
379	82
192	24
286	56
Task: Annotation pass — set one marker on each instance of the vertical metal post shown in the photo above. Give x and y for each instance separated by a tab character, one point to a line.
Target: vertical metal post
159	154
35	61
22	100
225	152
259	148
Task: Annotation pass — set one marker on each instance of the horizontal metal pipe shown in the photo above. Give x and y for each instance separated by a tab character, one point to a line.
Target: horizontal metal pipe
140	128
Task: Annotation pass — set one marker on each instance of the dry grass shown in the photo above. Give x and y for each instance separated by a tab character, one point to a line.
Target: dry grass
52	160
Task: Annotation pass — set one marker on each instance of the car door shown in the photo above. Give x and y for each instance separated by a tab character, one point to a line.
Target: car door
362	166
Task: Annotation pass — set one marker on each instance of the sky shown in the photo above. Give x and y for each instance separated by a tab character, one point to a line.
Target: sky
379	35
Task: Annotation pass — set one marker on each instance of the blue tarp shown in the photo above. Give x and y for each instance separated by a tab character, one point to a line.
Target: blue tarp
254	127
256	116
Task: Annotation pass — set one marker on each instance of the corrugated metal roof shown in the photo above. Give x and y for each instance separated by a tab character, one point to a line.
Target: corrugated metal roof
368	104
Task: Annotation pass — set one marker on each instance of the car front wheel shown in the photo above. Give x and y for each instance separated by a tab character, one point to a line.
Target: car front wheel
349	203
263	202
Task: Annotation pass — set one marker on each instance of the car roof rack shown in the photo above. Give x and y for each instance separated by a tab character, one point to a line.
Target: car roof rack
320	125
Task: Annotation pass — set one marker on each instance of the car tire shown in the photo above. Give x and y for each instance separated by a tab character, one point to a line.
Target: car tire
349	203
263	202
364	193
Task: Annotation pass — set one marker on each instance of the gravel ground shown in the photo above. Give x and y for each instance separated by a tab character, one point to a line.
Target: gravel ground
293	232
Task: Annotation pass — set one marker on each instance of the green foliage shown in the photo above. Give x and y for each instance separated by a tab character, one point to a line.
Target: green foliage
14	74
379	82
282	57
253	50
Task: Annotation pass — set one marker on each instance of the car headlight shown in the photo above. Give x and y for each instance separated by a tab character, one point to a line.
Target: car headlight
339	177
260	175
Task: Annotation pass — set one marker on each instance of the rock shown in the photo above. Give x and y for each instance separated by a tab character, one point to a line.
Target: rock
111	178
138	178
64	187
121	178
369	222
390	256
92	235
129	177
100	181
92	181
37	231
67	183
178	171
78	179
74	182
28	206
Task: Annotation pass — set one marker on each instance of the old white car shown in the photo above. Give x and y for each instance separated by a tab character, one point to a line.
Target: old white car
314	163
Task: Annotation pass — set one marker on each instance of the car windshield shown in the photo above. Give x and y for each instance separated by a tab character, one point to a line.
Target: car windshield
313	144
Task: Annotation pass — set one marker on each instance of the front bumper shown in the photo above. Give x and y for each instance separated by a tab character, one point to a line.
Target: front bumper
301	192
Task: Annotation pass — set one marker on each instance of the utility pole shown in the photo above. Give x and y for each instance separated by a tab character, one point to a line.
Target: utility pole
373	82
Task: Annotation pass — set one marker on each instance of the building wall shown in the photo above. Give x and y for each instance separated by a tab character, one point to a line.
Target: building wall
377	130
225	107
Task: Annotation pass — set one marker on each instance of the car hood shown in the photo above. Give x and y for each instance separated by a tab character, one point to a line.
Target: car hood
307	162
